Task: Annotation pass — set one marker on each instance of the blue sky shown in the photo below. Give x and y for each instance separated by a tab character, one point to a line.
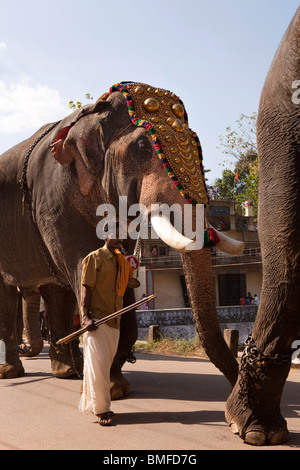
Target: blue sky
213	54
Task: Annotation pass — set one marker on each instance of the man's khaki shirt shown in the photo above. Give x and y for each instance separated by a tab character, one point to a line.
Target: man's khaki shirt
99	271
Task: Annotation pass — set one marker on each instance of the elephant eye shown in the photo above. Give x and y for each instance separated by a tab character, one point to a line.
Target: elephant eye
144	146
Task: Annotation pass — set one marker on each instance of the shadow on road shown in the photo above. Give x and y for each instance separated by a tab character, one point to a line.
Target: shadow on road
183	417
176	386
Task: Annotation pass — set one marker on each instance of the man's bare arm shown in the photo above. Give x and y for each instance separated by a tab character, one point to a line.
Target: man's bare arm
86	296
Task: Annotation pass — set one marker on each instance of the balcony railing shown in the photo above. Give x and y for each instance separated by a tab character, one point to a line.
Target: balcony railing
167	261
249	255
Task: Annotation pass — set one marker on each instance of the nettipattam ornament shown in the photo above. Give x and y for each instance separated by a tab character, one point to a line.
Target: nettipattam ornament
164	116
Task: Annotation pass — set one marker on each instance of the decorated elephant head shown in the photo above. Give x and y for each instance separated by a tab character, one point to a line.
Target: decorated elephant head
152	145
135	141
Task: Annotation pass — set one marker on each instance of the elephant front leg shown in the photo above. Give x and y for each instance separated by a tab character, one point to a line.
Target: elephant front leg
253	408
60	303
10	363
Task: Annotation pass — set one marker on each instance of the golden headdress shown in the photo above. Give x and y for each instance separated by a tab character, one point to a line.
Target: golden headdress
164	116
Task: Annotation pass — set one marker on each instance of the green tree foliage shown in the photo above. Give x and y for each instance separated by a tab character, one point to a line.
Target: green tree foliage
239	144
226	185
78	104
250	192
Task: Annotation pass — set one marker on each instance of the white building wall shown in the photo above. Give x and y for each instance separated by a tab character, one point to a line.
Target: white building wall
167	287
254	282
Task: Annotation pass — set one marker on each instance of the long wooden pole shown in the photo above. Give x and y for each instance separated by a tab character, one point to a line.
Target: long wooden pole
76	334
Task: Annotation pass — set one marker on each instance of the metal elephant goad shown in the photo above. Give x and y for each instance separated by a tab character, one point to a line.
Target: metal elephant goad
164	116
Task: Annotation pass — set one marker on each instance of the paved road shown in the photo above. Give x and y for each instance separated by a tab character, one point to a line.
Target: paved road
176	404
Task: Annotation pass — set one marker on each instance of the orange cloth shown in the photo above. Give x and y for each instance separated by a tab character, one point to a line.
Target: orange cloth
125	271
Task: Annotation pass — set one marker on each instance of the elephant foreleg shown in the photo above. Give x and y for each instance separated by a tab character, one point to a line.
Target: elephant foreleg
60	304
253	408
10	366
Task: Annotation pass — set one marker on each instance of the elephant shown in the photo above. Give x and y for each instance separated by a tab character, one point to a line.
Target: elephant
253	407
134	141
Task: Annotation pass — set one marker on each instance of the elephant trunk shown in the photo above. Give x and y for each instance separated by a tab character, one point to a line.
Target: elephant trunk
198	275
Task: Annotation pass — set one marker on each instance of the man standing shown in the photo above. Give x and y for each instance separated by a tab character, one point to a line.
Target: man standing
105	274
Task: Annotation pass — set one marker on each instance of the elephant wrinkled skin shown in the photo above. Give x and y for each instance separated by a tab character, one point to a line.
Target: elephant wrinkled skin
253	408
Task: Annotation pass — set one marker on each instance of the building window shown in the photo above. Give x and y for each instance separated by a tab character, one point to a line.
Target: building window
231	288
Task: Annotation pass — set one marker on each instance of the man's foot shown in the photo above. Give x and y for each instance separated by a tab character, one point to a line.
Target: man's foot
105	419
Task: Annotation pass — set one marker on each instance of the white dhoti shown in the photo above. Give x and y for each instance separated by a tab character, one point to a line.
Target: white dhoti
100	347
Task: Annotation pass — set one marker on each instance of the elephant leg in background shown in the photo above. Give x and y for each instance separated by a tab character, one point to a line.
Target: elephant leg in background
12	367
253	408
128	335
60	304
31	321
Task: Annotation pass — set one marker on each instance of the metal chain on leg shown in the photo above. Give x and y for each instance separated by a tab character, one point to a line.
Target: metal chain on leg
131	357
255	362
52	340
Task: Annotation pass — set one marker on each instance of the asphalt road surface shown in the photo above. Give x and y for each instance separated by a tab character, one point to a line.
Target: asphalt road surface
176	404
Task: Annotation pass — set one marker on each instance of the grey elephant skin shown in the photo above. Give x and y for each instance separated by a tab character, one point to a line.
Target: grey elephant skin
256	415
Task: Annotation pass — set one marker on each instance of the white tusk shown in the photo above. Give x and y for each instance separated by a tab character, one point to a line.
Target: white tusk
229	245
168	234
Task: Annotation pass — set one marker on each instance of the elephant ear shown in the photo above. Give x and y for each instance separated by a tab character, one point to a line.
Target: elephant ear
78	142
57	146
